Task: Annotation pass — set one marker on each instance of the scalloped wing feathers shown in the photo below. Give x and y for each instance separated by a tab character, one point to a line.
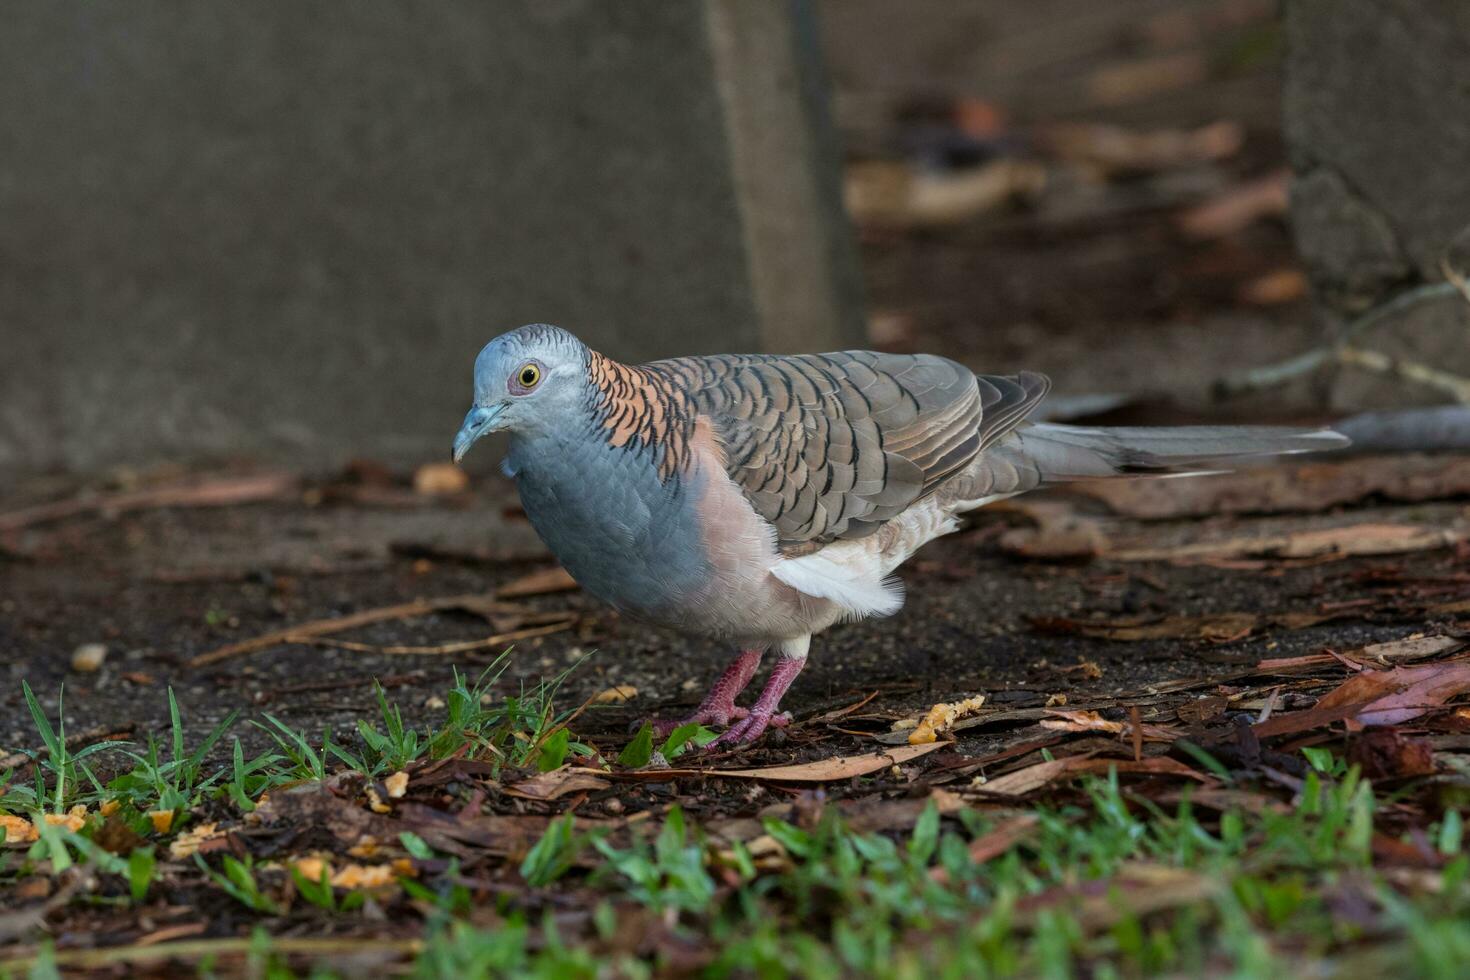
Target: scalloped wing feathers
831	446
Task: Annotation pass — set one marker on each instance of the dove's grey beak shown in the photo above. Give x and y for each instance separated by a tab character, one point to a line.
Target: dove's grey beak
479	422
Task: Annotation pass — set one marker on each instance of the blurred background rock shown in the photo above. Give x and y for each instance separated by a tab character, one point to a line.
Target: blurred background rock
284	232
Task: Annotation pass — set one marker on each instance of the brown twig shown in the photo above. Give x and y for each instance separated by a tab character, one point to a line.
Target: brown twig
101	733
463	646
195	949
325	627
215	492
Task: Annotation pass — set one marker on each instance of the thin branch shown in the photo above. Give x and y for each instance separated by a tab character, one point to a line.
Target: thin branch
226	491
465	646
101	733
1376	361
324	627
1271	375
1454	277
194	949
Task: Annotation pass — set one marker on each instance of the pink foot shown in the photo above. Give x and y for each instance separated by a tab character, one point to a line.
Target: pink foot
763	714
664	727
718	706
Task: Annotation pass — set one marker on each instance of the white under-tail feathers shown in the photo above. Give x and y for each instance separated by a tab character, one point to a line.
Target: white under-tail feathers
855	574
851	585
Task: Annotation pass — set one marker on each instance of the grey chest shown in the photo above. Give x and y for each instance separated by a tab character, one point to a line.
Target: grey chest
628	537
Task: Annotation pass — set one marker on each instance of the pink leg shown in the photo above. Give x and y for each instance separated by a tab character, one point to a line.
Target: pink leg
718	706
763	713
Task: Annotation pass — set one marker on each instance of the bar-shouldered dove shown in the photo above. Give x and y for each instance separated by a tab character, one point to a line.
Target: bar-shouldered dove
761	499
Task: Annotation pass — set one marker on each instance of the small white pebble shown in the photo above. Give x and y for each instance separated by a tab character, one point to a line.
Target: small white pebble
88	657
434	701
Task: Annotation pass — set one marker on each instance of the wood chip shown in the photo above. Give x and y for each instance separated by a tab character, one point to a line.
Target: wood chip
544	582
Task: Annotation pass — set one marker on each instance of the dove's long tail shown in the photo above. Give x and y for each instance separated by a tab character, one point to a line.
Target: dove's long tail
1066	452
1044	453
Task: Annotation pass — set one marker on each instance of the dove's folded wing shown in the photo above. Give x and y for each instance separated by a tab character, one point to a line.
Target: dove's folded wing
831	446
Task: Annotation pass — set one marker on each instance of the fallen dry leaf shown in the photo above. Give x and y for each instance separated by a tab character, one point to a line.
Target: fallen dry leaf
993	843
1377	697
895	194
557	783
1117	149
822	771
1059	534
162	820
617	694
1237	208
1079	721
1395	651
1136	891
1425	688
1032	778
1090	721
1387	753
827	770
1217	627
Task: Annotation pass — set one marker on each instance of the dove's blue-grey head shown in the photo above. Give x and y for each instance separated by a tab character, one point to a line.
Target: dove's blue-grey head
526	381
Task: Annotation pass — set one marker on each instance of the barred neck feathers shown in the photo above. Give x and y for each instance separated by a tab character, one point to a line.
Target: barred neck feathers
643	409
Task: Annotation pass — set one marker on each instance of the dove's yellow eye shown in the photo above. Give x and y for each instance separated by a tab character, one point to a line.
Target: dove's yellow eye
527	377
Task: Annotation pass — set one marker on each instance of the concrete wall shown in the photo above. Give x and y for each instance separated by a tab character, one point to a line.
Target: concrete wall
287	228
1377	116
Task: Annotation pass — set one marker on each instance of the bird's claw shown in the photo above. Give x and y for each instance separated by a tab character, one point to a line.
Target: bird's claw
752	727
664	727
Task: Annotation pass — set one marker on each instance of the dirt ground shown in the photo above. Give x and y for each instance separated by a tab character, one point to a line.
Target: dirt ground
1121	628
160	586
1096	279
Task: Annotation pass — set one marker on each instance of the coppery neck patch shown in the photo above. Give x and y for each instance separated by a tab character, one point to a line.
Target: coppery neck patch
642	409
